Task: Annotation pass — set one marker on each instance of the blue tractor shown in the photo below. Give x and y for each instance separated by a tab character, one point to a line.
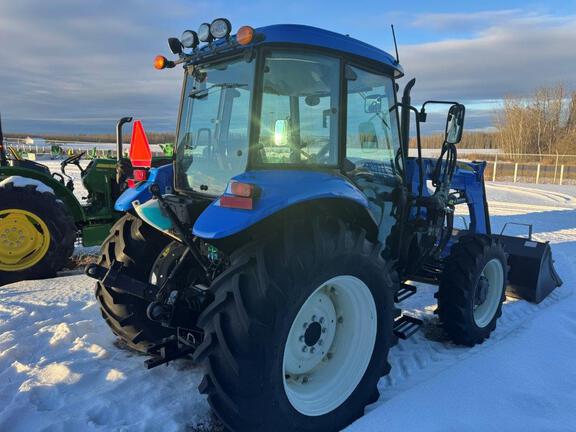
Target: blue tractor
277	249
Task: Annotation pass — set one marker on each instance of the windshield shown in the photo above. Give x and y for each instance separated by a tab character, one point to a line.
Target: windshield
212	143
299	112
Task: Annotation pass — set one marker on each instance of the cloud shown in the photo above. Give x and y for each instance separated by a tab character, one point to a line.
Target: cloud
86	63
514	57
78	66
451	22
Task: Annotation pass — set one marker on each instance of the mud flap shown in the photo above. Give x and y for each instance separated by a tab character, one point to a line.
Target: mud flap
532	275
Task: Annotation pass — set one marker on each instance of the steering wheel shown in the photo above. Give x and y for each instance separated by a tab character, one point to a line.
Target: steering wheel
322	155
75	160
14	153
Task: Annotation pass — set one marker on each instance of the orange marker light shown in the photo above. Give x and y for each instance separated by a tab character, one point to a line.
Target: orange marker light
245	35
160	62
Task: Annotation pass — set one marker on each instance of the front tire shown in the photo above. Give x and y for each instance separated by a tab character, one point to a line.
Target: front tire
472	289
278	297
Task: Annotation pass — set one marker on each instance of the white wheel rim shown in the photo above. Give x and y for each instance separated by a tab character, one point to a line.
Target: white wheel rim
494	274
329	345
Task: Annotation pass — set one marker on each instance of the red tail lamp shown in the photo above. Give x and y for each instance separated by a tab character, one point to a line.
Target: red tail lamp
239	195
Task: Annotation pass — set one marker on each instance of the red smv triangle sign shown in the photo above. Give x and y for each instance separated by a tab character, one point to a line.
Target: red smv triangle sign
140	154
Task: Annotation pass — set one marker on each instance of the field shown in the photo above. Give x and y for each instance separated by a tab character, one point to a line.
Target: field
62	370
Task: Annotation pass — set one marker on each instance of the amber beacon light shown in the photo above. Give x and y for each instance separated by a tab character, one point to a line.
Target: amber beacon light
245	35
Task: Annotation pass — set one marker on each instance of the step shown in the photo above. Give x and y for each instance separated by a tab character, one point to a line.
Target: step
405	291
406	326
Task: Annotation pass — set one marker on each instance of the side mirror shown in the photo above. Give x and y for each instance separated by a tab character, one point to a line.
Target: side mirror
373	104
455	124
281	132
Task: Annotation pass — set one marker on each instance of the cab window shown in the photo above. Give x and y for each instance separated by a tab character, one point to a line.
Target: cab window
299	110
372	138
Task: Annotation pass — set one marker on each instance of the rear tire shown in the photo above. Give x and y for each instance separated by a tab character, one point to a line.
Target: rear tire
472	289
40	208
137	246
249	326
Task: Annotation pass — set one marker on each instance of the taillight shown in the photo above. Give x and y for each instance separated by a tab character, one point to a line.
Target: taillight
139	175
239	195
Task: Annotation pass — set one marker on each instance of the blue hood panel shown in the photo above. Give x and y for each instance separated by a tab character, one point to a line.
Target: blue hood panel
279	190
162	175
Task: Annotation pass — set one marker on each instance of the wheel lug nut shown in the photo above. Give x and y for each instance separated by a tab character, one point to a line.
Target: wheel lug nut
320	342
321	320
305	325
323	329
313	317
304	348
312	350
301	338
340	320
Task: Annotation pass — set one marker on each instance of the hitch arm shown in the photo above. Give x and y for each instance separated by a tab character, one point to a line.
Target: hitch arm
115	278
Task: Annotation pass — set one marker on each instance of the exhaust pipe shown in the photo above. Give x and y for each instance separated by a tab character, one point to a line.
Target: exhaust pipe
119	126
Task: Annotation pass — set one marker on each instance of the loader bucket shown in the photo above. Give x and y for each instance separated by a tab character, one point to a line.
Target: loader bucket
532	275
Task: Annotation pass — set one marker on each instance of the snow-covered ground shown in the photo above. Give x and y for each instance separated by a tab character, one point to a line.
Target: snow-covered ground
62	370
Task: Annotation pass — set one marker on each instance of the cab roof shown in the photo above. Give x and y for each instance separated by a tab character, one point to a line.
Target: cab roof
303	35
316	37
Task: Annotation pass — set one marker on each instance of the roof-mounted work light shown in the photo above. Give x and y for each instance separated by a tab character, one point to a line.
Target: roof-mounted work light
204	33
189	39
220	28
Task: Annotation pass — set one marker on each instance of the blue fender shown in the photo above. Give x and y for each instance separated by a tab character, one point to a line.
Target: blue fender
163	176
279	189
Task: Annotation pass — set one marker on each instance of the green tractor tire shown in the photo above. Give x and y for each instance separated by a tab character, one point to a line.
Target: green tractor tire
37	233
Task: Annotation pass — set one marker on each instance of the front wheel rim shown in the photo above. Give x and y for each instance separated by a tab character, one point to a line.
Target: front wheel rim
329	345
493	273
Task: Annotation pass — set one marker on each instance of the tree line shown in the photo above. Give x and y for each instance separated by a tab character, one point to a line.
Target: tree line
541	124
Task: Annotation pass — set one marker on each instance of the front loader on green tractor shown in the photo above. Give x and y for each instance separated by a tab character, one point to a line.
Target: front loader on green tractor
296	226
41	217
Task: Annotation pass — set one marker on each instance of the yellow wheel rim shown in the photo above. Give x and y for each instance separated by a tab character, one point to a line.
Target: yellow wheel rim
24	239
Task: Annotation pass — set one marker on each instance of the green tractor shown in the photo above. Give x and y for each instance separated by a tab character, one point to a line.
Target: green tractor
41	218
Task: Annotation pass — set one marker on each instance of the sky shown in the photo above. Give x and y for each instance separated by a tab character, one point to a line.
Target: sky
72	66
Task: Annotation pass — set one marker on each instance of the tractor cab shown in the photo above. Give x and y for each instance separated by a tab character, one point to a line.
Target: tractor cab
285	111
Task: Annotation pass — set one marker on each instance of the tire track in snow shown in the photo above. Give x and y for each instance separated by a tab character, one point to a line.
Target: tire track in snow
428	352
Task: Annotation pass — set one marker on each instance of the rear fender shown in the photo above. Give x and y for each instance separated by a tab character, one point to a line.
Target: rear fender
163	176
62	192
280	191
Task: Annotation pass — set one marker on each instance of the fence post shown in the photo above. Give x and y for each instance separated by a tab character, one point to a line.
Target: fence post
537	173
515	171
494	169
561	174
556	167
